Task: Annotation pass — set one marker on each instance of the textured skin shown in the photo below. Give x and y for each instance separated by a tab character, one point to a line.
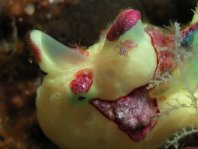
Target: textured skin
126	20
82	82
120	110
134	113
164	46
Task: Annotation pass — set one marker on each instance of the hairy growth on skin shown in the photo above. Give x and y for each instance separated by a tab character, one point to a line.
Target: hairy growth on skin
182	56
174	141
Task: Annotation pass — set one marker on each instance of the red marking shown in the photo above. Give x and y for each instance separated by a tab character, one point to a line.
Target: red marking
84	52
189	30
36	52
125	46
166	62
123	23
82	82
163	44
161	39
134	113
81	50
128	44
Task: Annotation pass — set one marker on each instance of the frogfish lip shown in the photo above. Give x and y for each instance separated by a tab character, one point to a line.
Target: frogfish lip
134	113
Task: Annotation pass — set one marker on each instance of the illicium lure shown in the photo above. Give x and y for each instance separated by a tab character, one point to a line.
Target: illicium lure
132	89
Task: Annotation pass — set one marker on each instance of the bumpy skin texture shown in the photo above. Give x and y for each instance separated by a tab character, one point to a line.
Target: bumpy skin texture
134	113
126	20
104	99
82	82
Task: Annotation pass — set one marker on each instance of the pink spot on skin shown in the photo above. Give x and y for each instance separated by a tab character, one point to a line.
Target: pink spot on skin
134	113
125	46
36	52
81	50
123	23
129	44
82	82
84	52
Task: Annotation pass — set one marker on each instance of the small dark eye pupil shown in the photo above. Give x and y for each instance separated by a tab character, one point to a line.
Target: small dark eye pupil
81	98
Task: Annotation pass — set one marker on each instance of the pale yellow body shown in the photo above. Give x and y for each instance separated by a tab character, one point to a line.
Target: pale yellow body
74	126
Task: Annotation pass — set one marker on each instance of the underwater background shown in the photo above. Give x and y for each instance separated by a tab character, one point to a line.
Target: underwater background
73	22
